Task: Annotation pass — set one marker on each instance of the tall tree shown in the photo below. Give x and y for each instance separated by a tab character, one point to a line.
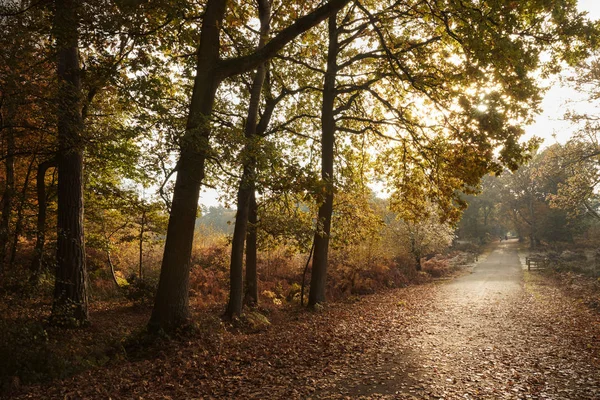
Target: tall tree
247	185
70	306
171	306
319	266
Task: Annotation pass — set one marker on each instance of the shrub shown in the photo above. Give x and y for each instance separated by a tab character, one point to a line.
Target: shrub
141	291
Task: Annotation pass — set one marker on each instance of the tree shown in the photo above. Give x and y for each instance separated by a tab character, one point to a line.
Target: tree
526	198
246	188
482	220
38	252
171	307
70	306
580	156
26	74
319	266
422	237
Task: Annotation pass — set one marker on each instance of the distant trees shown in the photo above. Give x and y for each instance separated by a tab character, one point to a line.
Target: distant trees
483	219
578	159
524	202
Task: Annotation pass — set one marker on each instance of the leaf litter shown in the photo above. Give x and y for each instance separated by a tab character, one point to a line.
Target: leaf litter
487	335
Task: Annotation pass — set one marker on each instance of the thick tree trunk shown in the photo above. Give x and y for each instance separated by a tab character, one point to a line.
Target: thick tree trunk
246	188
19	222
9	192
320	258
70	306
251	295
171	306
38	252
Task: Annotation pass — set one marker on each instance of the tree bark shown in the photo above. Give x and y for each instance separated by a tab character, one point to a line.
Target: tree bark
171	306
9	191
19	222
141	238
321	252
251	295
70	306
38	252
246	187
303	286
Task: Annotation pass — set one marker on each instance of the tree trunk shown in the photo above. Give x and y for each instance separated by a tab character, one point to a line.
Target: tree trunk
246	188
303	286
111	265
533	236
9	191
171	306
251	295
141	238
38	252
415	252
319	267
70	306
19	222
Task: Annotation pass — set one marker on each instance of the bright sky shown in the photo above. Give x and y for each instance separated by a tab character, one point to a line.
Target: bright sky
550	122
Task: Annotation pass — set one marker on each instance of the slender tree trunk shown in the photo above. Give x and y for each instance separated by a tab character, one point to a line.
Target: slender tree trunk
111	265
38	252
141	263
320	258
251	295
70	306
19	222
533	227
310	254
9	191
246	188
416	253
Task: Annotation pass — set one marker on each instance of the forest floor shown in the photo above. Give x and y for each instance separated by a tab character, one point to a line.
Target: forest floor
498	332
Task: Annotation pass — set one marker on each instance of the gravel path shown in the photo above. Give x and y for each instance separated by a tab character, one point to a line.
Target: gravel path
497	333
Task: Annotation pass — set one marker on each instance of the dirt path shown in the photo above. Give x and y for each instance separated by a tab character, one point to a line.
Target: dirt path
491	334
497	333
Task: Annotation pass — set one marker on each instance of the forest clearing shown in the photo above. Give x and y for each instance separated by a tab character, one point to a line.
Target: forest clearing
299	199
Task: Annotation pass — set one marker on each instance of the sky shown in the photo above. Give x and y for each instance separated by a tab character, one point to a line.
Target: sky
550	125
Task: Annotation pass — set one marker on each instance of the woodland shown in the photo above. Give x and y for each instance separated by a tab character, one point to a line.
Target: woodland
356	147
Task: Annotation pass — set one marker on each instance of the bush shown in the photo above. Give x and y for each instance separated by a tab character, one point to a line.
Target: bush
466	247
27	356
436	266
141	291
